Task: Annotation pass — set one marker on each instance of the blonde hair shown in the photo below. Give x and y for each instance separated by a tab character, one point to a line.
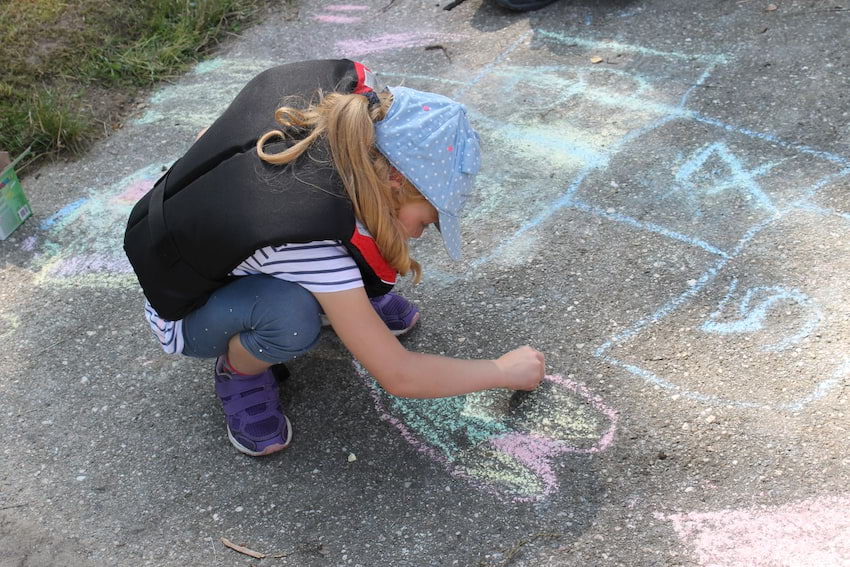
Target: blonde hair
347	122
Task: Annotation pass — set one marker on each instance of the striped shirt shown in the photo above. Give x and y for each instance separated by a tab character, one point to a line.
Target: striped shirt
319	266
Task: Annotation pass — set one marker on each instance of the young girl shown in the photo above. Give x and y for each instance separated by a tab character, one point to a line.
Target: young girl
278	216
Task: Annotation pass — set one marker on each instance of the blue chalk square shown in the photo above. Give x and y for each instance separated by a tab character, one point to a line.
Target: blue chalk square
612	70
764	329
701	183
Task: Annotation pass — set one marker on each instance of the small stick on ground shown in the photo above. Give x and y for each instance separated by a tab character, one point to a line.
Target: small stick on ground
240	549
438	46
454	4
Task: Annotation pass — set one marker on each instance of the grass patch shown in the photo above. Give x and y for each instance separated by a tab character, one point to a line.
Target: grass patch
73	67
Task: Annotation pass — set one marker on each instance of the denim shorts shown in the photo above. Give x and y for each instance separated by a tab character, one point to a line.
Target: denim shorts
276	320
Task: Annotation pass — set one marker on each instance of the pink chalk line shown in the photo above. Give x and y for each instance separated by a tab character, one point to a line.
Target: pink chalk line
346	7
333	19
533	451
134	191
810	532
392	41
536	452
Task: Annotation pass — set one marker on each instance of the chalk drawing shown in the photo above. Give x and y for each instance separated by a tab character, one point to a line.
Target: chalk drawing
220	80
28	244
558	116
346	8
693	179
758	330
340	14
640	100
556	133
81	244
711	170
506	450
812	207
62	213
393	41
336	19
809	532
752	317
617	47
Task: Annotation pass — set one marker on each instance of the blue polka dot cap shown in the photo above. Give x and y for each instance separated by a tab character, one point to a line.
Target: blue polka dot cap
428	139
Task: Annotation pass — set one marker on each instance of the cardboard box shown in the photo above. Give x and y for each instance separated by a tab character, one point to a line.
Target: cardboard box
14	207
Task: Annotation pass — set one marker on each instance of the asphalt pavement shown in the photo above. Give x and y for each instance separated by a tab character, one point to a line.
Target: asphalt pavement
663	210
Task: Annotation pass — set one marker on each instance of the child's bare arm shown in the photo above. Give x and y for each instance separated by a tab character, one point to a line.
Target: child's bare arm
415	375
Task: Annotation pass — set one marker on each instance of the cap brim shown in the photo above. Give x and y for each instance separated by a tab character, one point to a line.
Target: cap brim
449	227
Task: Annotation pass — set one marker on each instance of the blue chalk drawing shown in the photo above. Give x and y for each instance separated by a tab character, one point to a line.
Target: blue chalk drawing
705	279
694	178
458	93
80	244
753	313
62	213
828	156
587	43
479	437
806	205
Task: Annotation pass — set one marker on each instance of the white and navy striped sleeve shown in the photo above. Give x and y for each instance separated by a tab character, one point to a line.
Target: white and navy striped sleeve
319	266
169	333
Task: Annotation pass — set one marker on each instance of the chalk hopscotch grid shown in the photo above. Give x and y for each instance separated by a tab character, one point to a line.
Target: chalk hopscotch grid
669	112
822	388
724	257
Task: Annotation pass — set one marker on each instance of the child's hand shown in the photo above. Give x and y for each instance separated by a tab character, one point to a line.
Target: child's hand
522	368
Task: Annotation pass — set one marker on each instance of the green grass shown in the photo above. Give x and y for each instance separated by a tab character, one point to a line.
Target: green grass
71	66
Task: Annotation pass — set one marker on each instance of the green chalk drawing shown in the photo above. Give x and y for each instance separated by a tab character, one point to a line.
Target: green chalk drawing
499	446
220	80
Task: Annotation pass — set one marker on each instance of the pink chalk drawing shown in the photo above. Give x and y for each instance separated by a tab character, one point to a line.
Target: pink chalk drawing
500	448
334	19
810	532
387	42
135	190
346	7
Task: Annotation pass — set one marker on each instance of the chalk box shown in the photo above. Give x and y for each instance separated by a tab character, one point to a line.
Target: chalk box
14	207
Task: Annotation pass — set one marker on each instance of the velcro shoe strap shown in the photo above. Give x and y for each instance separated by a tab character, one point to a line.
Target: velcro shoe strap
265	396
238	384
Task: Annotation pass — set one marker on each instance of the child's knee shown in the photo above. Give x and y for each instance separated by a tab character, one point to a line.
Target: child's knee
289	326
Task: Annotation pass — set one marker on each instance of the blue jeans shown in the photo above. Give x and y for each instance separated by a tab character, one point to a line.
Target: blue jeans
275	320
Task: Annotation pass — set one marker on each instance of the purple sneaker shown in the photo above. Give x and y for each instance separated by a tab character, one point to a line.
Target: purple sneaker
399	314
256	424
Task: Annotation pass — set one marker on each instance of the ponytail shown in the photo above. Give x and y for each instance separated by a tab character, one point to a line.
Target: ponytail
347	122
